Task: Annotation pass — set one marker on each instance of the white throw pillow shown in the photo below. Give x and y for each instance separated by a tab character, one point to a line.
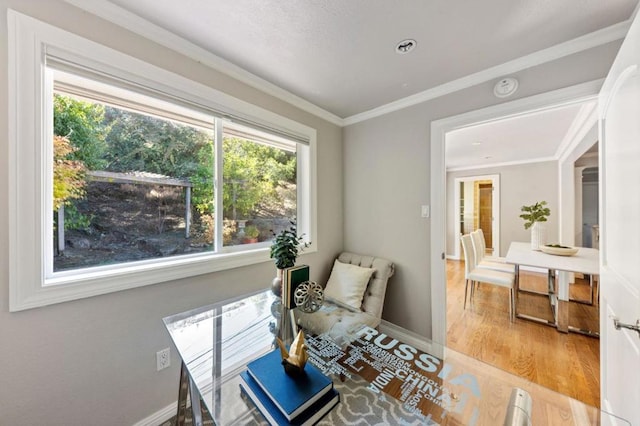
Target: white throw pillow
347	284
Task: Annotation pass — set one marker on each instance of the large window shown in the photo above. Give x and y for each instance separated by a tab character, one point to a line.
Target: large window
133	183
126	178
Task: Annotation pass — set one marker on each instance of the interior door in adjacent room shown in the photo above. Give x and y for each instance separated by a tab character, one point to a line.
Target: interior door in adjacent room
485	213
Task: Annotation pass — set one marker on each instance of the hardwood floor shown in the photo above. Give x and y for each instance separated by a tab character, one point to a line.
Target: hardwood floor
566	363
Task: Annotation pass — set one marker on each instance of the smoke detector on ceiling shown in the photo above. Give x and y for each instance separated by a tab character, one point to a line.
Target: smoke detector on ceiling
405	46
505	87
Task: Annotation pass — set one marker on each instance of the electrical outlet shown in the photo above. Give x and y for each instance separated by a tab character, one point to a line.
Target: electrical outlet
163	359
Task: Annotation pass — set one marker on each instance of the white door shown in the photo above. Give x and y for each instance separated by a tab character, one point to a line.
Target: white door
619	105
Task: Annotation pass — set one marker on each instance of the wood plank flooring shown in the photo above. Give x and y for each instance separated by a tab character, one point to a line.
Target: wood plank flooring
566	363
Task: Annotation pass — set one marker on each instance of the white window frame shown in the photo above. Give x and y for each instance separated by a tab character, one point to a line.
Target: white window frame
30	167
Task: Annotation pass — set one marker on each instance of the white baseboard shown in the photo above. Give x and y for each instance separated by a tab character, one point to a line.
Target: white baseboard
159	417
405	336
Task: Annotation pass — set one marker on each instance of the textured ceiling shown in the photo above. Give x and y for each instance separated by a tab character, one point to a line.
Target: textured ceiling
531	137
339	54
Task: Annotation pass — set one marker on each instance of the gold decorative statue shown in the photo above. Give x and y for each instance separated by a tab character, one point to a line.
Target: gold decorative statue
295	359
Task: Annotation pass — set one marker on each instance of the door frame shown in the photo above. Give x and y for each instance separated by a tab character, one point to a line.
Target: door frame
439	128
495	211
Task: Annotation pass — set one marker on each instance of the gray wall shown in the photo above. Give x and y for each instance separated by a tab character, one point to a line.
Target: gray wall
387	178
92	361
520	185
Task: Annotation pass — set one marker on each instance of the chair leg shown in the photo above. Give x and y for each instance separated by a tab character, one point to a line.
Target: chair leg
466	286
512	306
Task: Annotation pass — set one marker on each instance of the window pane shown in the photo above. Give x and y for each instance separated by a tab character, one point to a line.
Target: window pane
126	184
259	191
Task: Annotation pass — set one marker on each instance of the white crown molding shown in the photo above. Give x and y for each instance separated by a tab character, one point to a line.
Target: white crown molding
588	41
123	18
586	118
503	164
132	22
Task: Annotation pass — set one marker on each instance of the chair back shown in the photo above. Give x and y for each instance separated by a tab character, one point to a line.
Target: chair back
478	248
469	255
483	242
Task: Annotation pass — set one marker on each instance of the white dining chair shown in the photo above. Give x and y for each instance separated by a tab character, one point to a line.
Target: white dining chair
483	261
474	274
483	241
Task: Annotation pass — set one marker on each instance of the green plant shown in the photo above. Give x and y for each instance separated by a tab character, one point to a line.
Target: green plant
286	246
82	123
251	231
535	213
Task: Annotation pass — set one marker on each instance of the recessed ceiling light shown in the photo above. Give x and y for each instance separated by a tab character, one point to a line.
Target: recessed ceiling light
476	143
406	46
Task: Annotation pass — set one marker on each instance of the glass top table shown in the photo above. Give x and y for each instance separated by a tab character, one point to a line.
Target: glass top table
381	378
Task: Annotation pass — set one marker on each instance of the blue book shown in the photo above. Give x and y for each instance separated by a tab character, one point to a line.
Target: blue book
292	395
275	417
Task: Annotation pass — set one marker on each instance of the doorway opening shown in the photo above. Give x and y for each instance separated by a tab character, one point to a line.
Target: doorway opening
441	203
444	229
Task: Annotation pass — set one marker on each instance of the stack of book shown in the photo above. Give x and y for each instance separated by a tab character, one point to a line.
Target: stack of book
287	400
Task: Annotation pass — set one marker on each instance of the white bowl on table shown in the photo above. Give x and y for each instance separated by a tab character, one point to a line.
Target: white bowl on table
558	250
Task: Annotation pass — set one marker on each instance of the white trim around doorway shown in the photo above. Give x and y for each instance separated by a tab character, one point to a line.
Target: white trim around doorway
439	128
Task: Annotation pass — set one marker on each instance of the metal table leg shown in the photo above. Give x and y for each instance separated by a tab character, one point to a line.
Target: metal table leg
196	409
590	301
550	293
183	389
187	387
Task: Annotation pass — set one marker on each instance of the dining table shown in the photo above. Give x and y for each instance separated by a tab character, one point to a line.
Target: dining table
559	269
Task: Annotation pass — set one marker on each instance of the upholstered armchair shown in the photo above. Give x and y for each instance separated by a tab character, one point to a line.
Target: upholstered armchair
352	275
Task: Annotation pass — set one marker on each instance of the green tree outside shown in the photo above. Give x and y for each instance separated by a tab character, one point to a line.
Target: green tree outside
113	139
252	174
83	124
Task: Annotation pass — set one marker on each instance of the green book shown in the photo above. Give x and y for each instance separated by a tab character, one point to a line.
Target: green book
293	277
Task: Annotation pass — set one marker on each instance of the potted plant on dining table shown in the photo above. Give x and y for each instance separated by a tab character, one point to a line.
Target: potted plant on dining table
534	216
